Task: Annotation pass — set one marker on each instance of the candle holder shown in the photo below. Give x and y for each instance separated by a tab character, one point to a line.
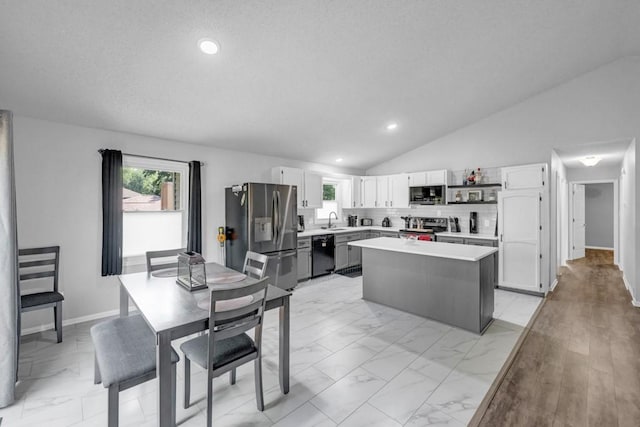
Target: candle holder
192	274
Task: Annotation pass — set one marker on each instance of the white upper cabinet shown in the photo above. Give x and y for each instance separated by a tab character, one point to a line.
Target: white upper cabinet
368	192
417	179
524	177
351	192
309	185
399	191
438	177
382	192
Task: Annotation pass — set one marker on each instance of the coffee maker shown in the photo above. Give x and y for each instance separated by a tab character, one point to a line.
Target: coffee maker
352	220
473	222
300	223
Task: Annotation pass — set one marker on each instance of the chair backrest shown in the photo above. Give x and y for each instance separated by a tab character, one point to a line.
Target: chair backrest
164	262
255	265
39	263
235	310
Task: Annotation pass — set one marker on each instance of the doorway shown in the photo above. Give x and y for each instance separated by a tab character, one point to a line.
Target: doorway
593	218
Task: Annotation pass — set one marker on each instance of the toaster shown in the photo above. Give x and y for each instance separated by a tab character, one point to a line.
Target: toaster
366	222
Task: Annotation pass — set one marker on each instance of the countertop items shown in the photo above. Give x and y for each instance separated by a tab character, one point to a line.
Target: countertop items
433	249
468	235
338	230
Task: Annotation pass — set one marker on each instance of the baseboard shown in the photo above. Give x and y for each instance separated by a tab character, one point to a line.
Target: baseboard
600	248
634	301
553	285
67	322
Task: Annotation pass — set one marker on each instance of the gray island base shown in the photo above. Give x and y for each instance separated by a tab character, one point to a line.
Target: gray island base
452	284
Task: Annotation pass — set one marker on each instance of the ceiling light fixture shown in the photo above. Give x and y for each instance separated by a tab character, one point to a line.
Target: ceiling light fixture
339	159
208	46
392	126
590	160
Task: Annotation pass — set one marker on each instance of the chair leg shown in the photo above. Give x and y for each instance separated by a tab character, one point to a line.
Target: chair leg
209	401
97	378
173	393
187	382
258	380
57	316
112	415
232	376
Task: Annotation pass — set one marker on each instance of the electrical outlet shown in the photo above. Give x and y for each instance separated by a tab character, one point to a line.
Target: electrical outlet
439	213
487	223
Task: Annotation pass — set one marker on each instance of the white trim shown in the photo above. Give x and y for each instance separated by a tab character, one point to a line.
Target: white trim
601	248
67	322
626	283
635	303
554	284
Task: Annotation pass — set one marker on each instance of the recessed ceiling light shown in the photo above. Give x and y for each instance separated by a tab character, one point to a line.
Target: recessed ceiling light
392	126
208	46
590	160
339	159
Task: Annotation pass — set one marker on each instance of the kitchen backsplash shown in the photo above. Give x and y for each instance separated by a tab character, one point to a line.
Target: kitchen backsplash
487	216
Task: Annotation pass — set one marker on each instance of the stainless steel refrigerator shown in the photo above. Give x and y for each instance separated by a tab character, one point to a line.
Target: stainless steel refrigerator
263	218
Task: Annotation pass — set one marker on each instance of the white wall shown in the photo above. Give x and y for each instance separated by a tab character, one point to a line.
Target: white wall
599	215
58	185
595	173
603	105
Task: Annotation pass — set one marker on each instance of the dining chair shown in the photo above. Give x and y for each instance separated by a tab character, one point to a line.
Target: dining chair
38	264
255	265
163	255
125	356
227	346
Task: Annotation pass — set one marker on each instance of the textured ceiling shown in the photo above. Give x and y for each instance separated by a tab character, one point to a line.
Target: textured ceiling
310	80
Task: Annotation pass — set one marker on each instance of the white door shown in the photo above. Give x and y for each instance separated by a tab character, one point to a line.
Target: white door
313	190
417	179
368	193
519	216
578	222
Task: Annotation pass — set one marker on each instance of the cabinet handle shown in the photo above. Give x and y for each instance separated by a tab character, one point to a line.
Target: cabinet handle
501	237
391	203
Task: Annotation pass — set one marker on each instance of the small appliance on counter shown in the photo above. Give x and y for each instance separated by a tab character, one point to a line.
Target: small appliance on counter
454	224
386	222
473	222
300	223
407	221
352	220
366	222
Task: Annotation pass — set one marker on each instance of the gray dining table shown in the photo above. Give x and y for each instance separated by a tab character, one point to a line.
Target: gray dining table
173	312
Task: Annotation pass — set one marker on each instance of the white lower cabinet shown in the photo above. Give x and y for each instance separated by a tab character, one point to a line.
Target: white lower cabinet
520	239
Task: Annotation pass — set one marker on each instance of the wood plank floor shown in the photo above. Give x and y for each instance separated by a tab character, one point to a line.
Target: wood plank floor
580	363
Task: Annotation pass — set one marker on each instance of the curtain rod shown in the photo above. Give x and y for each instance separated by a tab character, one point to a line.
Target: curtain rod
151	157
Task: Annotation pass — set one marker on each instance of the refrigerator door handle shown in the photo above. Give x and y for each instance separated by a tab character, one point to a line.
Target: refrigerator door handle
274	221
279	219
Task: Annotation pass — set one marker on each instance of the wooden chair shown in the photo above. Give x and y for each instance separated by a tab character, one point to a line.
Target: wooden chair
38	264
151	255
227	345
125	356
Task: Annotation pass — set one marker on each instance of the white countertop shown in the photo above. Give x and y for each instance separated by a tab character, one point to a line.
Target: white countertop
468	235
426	248
338	230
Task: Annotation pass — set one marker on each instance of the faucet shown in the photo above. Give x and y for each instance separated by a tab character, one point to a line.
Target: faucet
332	212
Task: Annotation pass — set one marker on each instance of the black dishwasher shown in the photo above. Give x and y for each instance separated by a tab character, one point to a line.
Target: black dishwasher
323	252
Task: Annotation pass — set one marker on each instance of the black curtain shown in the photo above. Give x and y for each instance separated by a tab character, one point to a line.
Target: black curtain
194	232
111	212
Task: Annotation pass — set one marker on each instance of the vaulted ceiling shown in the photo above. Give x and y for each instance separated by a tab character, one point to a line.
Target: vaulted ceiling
309	80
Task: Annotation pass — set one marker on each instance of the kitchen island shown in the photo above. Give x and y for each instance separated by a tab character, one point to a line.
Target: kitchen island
449	283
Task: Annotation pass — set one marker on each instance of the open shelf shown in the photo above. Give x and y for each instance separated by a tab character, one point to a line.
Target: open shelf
479	202
476	185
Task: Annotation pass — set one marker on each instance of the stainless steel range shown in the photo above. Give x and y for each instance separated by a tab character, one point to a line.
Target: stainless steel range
423	226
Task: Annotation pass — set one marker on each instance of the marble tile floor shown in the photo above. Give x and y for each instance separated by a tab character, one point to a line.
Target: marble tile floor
353	363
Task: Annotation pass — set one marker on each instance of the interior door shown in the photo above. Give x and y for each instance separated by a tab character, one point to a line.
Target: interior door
578	222
519	221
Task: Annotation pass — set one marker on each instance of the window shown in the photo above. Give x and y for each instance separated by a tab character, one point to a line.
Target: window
329	200
154	204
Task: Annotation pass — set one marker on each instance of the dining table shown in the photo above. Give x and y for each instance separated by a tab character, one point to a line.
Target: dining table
173	312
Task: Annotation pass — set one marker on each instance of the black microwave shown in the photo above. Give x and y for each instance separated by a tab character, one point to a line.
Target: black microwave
427	195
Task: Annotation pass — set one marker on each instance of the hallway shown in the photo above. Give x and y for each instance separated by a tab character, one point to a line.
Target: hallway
579	365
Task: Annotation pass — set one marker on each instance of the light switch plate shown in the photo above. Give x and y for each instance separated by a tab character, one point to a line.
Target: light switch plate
487	223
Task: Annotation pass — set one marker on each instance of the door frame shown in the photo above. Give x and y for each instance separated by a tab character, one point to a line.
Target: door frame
616	214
